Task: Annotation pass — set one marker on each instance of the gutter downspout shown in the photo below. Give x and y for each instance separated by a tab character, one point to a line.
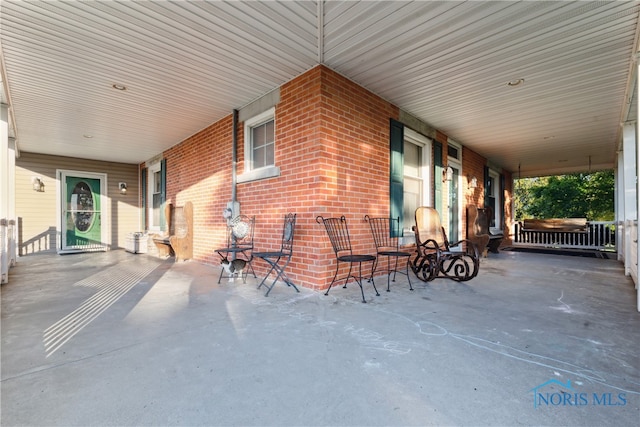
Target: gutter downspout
234	163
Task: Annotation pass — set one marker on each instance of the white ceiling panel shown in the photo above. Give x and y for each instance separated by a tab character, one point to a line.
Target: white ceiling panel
188	64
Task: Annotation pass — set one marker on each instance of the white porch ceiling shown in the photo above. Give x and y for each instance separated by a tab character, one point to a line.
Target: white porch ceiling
188	64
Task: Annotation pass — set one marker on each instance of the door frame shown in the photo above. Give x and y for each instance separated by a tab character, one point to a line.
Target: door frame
105	216
455	163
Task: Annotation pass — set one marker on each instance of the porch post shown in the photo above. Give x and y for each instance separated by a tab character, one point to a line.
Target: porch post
637	186
8	226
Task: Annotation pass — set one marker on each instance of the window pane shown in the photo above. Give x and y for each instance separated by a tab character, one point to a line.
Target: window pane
412	159
156	209
412	199
269	132
263	145
156	182
258	136
269	160
258	157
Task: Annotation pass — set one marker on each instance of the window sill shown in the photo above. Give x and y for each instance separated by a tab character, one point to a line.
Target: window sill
257	174
408	239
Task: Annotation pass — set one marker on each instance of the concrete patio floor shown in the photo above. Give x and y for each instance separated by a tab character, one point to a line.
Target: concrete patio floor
116	339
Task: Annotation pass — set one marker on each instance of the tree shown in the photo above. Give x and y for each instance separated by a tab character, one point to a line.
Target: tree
566	196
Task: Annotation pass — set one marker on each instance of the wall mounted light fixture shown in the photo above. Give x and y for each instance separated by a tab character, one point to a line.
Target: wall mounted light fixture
123	187
473	182
37	183
447	174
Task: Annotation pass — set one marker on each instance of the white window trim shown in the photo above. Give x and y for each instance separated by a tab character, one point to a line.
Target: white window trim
457	163
408	236
263	172
151	170
497	191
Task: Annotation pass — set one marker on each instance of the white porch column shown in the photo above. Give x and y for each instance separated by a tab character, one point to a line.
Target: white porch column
637	188
4	193
628	185
619	209
636	161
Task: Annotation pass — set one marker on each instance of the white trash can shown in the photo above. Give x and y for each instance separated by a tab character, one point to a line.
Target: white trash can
136	243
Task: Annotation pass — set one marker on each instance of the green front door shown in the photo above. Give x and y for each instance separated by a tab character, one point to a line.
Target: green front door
82	216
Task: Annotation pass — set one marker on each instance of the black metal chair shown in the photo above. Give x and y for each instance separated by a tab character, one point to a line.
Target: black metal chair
278	260
385	232
339	237
239	243
434	255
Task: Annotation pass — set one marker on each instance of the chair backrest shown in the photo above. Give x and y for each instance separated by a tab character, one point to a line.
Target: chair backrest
477	222
382	230
338	233
288	231
428	227
179	219
240	231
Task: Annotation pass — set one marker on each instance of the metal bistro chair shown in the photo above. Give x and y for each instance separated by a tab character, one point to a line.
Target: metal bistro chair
278	260
385	232
239	243
434	257
339	236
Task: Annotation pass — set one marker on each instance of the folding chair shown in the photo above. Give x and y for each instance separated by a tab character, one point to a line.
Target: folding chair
278	260
339	236
239	243
385	232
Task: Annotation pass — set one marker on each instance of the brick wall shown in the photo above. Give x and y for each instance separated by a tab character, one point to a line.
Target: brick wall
332	148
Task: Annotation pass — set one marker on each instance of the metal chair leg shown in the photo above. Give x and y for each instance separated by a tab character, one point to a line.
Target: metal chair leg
334	279
408	276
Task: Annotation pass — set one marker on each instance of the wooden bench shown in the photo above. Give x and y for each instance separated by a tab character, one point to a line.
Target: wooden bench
178	239
479	232
553	231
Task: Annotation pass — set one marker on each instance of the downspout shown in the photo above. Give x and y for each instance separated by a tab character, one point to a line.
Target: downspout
234	163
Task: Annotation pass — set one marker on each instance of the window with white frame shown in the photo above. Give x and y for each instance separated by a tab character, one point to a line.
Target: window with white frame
417	150
154	189
494	201
259	147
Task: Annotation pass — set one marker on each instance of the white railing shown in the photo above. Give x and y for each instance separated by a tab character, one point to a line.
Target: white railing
599	235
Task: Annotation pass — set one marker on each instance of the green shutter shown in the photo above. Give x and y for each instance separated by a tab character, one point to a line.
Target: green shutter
143	198
163	193
437	176
396	172
486	186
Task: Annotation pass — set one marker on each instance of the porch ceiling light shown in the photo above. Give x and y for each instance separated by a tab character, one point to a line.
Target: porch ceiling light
516	82
118	86
37	183
447	174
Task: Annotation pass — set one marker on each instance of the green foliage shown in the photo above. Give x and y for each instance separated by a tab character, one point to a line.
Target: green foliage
566	196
